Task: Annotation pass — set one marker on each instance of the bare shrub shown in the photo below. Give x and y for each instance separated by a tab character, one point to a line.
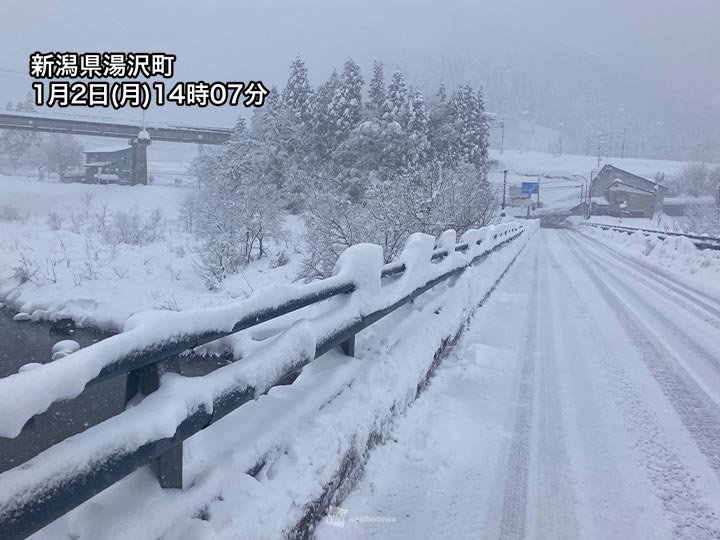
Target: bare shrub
55	220
25	270
137	229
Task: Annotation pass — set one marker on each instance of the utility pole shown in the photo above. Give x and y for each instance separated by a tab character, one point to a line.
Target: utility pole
538	201
622	154
697	155
502	135
561	125
504	186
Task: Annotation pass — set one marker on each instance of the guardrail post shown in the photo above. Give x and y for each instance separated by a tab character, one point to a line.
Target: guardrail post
168	467
348	347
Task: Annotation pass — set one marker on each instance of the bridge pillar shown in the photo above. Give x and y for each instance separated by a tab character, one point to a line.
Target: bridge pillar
139	173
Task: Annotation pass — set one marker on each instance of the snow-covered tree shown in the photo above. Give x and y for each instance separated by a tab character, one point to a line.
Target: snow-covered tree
417	126
347	100
396	106
297	95
470	125
239	206
442	92
697	180
376	90
325	117
60	154
18	146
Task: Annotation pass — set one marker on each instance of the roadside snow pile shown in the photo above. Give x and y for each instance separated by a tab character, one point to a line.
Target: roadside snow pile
306	442
675	253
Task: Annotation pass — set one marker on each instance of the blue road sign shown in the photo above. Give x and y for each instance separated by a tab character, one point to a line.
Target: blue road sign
530	187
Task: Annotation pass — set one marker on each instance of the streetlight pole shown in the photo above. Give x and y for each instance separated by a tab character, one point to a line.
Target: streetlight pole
583	195
504	187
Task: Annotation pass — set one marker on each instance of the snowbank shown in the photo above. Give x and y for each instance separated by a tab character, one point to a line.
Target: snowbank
674	253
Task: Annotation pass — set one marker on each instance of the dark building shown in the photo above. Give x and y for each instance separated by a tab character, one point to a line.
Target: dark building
109	165
624	194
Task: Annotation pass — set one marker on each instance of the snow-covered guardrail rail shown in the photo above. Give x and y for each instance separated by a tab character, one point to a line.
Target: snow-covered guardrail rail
700	241
36	493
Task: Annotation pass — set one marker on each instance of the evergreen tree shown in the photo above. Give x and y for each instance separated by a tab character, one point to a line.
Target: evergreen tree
395	108
347	101
298	94
417	127
376	93
442	92
471	138
324	117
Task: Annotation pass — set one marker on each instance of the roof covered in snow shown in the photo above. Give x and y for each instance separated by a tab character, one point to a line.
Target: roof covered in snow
108	149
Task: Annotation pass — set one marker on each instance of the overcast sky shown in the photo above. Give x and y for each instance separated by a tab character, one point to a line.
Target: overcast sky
674	41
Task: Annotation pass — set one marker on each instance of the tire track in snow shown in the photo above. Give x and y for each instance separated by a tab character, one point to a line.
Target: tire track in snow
698	412
701	299
513	520
555	499
607	488
709	357
697	308
676	485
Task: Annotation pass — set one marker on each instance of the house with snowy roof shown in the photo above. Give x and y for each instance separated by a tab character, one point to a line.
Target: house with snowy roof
109	165
620	193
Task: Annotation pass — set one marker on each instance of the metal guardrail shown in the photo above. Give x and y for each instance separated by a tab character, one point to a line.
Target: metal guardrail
32	508
700	241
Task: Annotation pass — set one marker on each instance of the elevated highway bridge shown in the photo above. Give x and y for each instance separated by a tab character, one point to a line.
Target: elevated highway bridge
119	130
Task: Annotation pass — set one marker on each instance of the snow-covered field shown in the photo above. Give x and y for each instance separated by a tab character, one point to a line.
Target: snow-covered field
62	239
582	402
540	163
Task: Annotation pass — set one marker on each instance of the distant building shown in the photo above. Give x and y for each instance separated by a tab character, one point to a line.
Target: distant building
620	193
109	165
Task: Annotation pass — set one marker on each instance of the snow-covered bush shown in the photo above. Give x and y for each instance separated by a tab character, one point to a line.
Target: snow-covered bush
701	218
238	209
279	259
10	213
136	228
430	199
55	220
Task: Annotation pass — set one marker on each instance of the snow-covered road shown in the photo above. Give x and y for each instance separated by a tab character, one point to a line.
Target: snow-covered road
581	402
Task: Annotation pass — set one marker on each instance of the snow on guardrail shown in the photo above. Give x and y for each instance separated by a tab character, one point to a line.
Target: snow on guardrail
160	414
28	393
